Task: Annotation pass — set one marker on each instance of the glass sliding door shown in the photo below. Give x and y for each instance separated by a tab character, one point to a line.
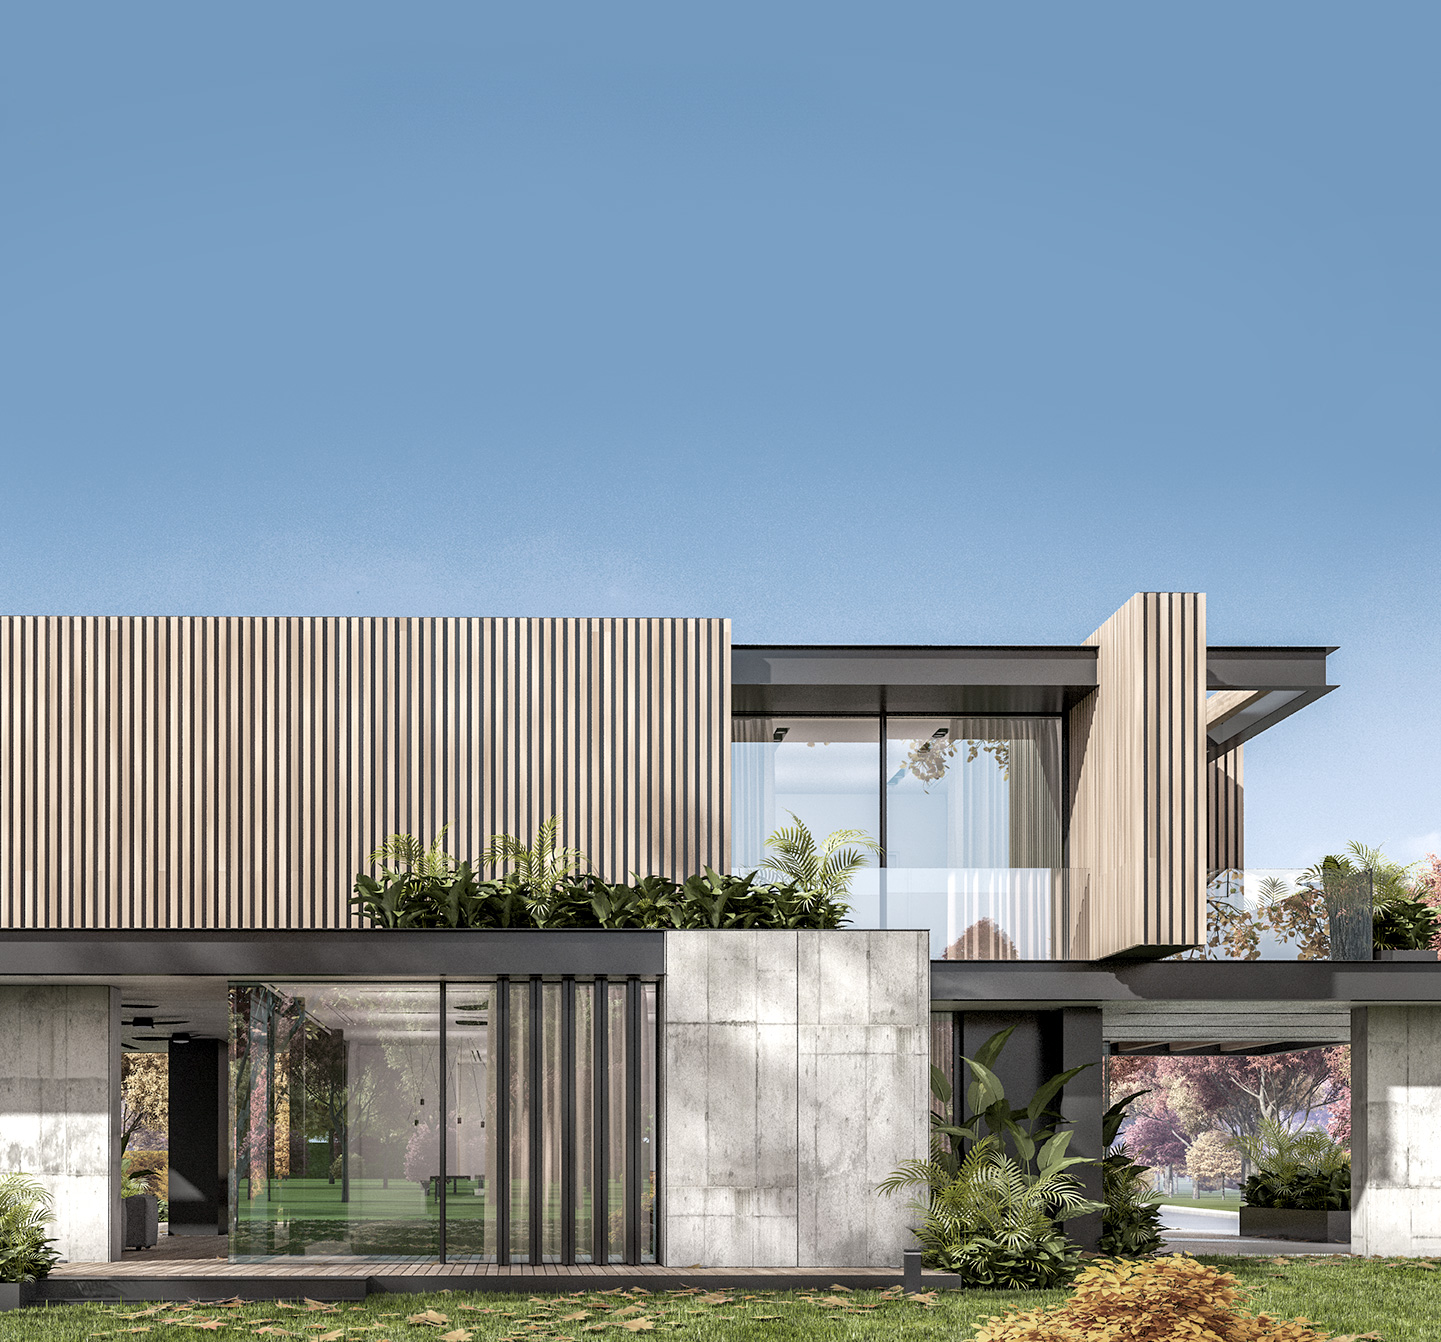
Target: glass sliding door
509	1120
335	1120
471	1068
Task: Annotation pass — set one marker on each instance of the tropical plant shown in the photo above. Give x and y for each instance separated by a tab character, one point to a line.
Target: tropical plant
1299	1170
404	855
135	1182
823	870
994	1202
1173	1297
26	1207
1404	925
1131	1222
405	898
539	867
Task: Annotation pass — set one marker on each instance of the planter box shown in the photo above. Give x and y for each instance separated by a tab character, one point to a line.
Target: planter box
1406	955
1283	1223
16	1294
142	1221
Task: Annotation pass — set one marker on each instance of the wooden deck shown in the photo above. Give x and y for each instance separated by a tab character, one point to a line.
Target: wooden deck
142	1276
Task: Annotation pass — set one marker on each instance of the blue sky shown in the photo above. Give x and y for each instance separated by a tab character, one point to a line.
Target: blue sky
905	322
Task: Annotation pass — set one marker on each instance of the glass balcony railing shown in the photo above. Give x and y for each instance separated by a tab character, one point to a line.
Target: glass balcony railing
1044	913
979	913
1286	913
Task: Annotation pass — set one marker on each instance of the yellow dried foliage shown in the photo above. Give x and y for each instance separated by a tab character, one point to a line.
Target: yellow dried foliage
1171	1299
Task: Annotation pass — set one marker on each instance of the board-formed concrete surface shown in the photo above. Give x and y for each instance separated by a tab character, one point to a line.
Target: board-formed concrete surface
796	1078
1395	1155
60	1108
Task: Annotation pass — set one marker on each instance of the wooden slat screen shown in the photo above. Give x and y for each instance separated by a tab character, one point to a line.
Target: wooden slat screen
1138	784
233	772
1226	811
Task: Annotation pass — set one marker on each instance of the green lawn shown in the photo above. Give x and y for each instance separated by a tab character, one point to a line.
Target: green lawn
1401	1300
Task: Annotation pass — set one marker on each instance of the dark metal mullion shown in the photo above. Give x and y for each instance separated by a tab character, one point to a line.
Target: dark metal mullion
883	819
444	1116
501	1024
600	1089
632	1120
567	1064
537	1117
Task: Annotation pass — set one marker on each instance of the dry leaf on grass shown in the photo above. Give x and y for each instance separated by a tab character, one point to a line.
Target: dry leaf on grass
637	1325
457	1335
432	1318
629	1309
571	1318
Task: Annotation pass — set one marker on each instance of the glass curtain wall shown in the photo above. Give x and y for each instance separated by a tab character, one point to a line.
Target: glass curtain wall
533	1143
967	809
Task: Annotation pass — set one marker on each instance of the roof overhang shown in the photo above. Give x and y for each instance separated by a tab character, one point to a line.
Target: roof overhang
818	678
1253	688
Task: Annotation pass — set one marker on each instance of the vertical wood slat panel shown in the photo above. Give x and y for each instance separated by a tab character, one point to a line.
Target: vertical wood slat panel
234	772
1138	777
1226	811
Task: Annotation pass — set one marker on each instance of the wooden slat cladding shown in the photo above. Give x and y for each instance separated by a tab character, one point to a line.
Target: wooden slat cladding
1226	811
1138	783
234	772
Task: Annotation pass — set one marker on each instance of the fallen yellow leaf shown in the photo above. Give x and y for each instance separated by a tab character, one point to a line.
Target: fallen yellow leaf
637	1325
457	1335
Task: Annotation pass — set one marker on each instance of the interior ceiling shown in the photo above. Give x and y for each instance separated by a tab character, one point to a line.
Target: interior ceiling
199	1006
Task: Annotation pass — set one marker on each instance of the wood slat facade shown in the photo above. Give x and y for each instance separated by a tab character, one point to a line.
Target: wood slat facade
1226	811
1137	756
198	772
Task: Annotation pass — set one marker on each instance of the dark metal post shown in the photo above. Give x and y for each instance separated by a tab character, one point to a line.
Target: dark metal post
632	1120
600	1177
534	1093
1083	1104
567	1064
501	1192
911	1271
444	1116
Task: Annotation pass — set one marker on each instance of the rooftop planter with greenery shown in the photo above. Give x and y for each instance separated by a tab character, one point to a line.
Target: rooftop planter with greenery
547	885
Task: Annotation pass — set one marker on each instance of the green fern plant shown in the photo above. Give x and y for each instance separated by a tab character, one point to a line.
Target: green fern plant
405	855
994	1202
26	1208
1306	1169
539	868
822	870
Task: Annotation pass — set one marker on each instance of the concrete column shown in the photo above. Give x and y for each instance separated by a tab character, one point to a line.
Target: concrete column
796	1072
1395	1120
60	1108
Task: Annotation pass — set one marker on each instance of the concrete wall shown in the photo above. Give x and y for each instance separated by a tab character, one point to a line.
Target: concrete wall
796	1078
60	1108
1395	1121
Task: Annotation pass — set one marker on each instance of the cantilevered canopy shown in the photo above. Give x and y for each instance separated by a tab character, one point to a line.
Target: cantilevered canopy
1251	689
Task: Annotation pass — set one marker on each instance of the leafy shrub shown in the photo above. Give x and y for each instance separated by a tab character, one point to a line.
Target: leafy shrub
1298	1171
544	887
1404	925
995	1202
1171	1299
1131	1223
25	1210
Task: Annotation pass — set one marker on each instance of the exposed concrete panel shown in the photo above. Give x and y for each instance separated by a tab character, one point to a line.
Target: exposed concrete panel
797	1068
60	1108
1396	1116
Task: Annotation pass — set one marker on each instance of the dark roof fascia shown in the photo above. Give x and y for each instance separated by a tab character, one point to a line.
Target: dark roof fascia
837	678
993	983
1293	678
349	953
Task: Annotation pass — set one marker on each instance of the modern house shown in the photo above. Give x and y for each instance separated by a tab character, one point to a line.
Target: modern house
184	803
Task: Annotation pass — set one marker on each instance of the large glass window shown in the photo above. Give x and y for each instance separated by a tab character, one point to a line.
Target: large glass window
546	1102
968	810
825	771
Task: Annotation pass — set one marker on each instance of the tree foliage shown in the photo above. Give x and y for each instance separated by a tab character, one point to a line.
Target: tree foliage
144	1095
1213	1159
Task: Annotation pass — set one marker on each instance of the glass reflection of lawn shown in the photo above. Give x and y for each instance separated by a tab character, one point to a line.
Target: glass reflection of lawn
307	1216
